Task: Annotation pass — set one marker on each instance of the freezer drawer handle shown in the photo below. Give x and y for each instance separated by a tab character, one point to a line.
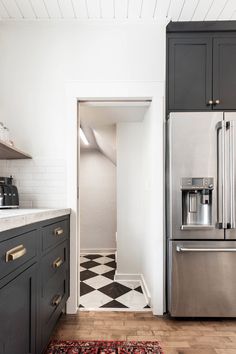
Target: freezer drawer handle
184	249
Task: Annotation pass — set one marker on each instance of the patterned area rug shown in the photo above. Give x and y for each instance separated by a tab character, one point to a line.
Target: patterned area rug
103	347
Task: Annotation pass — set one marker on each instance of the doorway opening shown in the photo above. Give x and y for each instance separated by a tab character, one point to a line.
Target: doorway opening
114	202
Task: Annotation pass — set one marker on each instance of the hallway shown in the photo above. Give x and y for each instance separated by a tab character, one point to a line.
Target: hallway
98	290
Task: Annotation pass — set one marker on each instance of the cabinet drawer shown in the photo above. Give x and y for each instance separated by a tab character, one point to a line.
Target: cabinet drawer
54	261
54	294
17	251
54	234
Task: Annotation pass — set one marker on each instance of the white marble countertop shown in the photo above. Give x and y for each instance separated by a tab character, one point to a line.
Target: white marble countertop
12	218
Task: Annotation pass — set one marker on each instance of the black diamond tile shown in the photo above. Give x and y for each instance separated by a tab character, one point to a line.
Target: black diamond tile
139	289
110	274
114	304
81	306
89	264
85	289
92	256
114	290
111	264
87	274
147	307
111	256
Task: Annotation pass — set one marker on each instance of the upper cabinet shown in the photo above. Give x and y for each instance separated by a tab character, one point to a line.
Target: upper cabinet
224	73
201	70
190	73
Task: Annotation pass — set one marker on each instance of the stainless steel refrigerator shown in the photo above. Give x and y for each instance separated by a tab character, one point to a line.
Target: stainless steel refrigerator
201	214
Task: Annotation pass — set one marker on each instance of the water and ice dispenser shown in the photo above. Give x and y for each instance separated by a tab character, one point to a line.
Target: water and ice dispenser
197	202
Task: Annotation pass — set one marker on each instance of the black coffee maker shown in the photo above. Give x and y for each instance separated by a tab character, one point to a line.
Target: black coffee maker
9	197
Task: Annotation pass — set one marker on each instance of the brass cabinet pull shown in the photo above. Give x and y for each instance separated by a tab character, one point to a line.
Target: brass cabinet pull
56	300
210	102
58	231
217	102
57	263
15	253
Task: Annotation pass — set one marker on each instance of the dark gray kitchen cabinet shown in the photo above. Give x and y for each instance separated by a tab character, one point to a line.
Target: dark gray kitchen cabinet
224	73
201	74
34	284
190	73
18	314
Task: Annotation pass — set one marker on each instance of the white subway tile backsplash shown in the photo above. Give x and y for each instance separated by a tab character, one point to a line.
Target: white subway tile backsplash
41	182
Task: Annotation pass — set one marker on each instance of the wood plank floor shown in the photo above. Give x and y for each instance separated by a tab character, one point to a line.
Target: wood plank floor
175	336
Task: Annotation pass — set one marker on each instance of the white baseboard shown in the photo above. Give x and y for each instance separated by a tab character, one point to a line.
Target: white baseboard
97	250
145	289
135	277
126	277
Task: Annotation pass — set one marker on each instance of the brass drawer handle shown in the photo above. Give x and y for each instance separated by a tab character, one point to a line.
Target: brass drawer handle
57	263
56	300
15	253
58	231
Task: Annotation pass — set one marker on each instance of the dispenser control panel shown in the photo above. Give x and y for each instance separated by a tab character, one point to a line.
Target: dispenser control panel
197	183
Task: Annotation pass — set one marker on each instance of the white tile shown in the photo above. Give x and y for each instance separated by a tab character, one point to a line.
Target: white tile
94	299
133	299
98	281
101	269
82	268
103	260
130	284
84	259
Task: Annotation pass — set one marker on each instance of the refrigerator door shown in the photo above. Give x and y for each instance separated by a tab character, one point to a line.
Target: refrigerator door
195	145
201	278
230	156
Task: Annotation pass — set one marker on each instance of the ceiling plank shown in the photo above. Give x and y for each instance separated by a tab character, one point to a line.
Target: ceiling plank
54	9
161	10
215	10
94	8
12	9
134	8
39	8
202	8
227	12
121	9
188	10
67	8
26	9
3	11
108	9
176	8
80	8
148	9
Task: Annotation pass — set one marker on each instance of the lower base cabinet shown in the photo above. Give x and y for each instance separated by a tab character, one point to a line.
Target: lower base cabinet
18	314
34	286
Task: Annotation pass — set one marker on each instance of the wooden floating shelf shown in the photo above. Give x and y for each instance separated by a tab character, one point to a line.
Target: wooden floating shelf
9	152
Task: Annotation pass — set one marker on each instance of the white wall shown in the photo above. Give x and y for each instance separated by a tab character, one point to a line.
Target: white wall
97	201
129	197
38	59
37	62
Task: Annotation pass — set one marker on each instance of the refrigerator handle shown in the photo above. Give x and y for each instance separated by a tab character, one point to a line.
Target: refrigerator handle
222	205
230	124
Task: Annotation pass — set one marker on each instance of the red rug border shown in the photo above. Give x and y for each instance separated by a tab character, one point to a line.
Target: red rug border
106	341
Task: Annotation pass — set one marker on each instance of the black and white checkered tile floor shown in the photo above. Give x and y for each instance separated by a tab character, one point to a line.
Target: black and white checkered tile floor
98	290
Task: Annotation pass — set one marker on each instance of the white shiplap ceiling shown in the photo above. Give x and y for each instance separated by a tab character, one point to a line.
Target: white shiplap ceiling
176	10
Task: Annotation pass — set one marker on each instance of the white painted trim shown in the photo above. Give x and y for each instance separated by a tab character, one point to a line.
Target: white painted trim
97	250
145	289
88	90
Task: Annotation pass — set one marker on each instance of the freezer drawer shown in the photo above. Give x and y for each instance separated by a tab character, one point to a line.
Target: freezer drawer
201	278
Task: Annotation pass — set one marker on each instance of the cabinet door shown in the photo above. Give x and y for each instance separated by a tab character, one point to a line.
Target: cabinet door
17	314
224	73
190	74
